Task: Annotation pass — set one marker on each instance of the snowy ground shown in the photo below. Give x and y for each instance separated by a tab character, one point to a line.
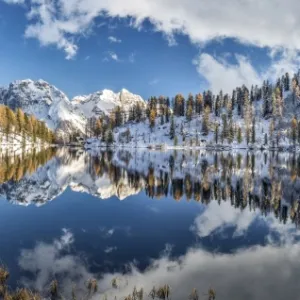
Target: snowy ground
189	136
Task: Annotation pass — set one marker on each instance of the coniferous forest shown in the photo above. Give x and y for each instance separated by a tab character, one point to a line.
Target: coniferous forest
17	125
264	116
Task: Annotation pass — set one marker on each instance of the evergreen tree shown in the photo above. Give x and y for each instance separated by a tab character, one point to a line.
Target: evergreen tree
205	122
162	119
172	129
167	110
216	133
190	107
239	135
175	141
179	104
152	118
199	104
118	116
294	125
110	137
98	127
253	131
225	127
20	120
287	82
230	131
10	120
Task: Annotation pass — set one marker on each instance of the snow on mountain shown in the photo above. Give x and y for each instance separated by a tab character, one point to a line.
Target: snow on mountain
64	170
103	102
46	103
49	104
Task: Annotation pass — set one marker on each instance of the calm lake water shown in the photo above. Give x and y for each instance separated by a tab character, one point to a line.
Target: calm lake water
220	220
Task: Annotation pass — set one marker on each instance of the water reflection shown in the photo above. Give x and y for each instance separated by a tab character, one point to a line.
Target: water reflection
13	167
223	220
251	273
265	181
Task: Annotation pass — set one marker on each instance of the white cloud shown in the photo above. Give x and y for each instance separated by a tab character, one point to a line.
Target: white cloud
289	61
217	216
271	23
14	1
113	39
154	81
223	76
49	260
110	249
113	56
228	273
110	55
132	56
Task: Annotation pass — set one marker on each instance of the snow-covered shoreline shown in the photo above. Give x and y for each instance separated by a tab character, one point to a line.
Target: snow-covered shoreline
94	144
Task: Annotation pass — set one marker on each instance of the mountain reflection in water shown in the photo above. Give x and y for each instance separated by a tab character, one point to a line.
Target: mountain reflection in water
224	220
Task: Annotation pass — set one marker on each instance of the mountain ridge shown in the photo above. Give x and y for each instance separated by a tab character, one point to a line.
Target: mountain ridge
51	105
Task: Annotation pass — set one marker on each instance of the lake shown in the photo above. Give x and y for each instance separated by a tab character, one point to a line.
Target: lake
189	219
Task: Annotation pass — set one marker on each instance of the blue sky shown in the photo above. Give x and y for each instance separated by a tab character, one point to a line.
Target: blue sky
82	51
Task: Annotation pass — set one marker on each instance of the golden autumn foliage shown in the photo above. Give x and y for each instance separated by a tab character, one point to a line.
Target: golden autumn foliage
19	123
16	167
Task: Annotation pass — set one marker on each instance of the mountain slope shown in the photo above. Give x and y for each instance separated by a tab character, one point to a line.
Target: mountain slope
103	102
49	104
46	103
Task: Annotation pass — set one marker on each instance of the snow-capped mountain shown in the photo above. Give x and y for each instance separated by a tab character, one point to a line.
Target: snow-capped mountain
63	171
49	104
46	103
103	102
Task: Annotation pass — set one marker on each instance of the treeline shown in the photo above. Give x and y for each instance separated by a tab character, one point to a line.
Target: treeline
16	167
19	123
218	113
214	181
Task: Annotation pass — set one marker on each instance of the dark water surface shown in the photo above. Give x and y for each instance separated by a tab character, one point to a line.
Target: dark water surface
225	220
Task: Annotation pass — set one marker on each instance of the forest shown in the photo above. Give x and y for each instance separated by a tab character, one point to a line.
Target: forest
265	115
19	124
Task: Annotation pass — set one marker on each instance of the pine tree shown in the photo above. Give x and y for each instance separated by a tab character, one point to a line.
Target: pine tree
189	113
225	127
98	127
118	116
199	104
294	125
139	113
175	141
110	137
152	118
20	120
205	122
3	118
127	135
253	131
167	110
271	130
172	129
216	133
179	104
239	135
287	82
162	119
197	139
230	131
217	107
10	120
190	107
